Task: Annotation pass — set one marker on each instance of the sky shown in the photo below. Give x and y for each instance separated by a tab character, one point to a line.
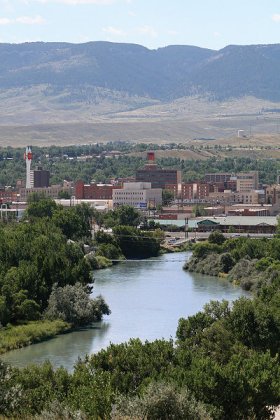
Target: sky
153	23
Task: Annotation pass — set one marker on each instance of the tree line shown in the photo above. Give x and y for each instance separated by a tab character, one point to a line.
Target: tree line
38	261
102	169
248	262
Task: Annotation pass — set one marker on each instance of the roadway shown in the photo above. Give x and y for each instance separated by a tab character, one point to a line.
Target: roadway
178	238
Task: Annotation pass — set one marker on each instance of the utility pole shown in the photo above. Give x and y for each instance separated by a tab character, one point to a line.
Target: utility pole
186	228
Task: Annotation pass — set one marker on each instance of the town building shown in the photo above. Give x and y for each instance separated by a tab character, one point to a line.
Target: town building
195	191
229	197
41	178
240	224
51	192
140	195
272	194
93	191
240	182
7	195
247	181
220	177
157	176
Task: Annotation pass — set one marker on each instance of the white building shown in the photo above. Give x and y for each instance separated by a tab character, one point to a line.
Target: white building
137	194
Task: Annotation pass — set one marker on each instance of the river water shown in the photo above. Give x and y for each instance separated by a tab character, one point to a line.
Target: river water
146	299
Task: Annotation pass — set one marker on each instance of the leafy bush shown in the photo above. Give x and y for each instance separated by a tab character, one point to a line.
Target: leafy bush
135	243
243	269
216	237
160	401
74	305
227	262
98	262
200	250
210	265
58	411
110	251
10	393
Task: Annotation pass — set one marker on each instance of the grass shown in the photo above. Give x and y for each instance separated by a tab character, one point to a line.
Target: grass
27	116
14	337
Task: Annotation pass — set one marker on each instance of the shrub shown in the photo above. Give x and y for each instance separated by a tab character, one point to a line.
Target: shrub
160	401
74	305
227	262
110	251
216	237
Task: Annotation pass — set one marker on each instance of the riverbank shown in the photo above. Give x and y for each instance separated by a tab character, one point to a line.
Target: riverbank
15	337
146	297
249	263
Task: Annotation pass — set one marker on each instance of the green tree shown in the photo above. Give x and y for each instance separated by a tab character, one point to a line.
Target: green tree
136	243
161	401
227	262
74	305
216	237
44	207
167	197
127	216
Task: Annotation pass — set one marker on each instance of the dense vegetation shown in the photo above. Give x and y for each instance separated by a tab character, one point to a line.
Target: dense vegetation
44	273
251	263
224	365
102	169
126	239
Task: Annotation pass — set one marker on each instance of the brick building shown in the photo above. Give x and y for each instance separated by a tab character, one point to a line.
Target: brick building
8	195
157	176
93	191
196	190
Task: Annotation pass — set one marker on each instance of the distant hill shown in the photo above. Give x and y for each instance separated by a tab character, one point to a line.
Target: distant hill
163	74
61	93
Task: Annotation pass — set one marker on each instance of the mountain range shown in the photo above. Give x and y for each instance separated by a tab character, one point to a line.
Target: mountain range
163	74
54	93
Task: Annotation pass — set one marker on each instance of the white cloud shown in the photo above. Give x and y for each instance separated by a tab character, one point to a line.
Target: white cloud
148	30
24	20
5	21
131	13
27	20
217	34
276	17
111	30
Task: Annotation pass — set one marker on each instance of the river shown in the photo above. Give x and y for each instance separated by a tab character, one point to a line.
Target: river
146	299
